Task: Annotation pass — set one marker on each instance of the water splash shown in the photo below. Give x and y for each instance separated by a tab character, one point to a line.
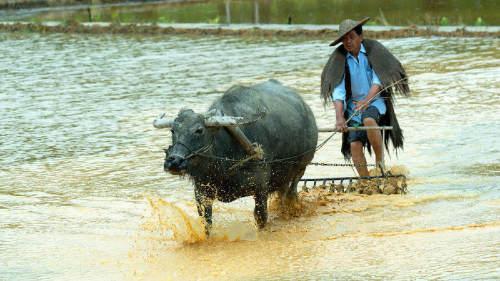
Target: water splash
171	222
174	223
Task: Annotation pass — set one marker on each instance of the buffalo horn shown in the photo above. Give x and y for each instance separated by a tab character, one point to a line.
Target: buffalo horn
223	121
161	123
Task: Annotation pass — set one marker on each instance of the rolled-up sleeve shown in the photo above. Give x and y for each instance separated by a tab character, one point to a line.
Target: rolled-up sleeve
375	79
339	91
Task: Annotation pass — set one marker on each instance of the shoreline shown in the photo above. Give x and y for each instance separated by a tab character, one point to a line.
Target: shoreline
247	30
79	4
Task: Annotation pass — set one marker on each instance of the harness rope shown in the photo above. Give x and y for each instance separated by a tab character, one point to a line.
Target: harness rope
240	162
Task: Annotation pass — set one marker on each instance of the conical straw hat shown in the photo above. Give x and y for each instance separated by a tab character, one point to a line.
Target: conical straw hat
346	26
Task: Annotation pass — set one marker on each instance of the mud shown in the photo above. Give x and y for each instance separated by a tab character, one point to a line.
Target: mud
153	29
385	186
388	185
178	223
172	222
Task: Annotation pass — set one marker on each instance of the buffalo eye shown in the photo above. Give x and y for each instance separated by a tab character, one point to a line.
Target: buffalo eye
199	131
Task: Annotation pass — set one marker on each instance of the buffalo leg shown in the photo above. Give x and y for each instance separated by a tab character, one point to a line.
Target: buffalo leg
290	195
260	211
292	192
204	206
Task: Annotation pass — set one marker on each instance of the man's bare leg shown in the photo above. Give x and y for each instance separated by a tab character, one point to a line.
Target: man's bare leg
358	158
375	138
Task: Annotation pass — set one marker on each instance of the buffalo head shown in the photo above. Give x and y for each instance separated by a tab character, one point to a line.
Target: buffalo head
192	135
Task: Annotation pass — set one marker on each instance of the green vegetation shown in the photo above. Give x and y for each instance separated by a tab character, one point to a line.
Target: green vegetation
444	21
389	12
479	21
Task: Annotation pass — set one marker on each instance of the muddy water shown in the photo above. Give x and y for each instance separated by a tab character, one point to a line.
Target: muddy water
83	195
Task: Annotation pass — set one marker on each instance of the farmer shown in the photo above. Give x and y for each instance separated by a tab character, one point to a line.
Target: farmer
360	78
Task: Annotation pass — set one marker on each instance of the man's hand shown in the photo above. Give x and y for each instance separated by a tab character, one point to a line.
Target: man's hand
362	104
341	126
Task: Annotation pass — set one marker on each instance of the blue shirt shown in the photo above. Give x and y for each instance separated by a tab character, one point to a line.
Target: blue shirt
362	79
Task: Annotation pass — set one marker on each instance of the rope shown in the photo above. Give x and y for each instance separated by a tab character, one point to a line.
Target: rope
318	147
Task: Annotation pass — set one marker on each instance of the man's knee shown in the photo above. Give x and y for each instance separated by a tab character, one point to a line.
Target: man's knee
370	116
369	121
356	146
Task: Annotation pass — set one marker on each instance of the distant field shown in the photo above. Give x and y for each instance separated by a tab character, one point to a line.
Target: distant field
15	4
38	3
312	12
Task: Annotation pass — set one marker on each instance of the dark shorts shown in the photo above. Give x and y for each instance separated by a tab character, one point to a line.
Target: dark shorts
370	112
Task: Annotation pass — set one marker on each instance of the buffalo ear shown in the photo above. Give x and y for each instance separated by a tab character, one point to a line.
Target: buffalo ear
186	111
213	112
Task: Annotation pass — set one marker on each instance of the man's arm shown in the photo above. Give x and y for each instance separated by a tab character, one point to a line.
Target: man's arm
338	97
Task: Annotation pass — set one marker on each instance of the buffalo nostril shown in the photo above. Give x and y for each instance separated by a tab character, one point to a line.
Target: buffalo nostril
182	164
175	163
169	163
166	165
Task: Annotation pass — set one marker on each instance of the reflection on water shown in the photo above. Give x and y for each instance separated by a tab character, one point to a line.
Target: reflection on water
492	169
390	12
80	160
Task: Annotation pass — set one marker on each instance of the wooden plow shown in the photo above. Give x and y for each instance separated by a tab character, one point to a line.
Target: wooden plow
347	184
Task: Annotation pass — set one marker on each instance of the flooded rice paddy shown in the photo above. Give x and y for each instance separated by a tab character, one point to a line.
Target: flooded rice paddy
83	195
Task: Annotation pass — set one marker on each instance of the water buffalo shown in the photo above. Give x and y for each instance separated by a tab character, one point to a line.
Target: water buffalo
205	147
